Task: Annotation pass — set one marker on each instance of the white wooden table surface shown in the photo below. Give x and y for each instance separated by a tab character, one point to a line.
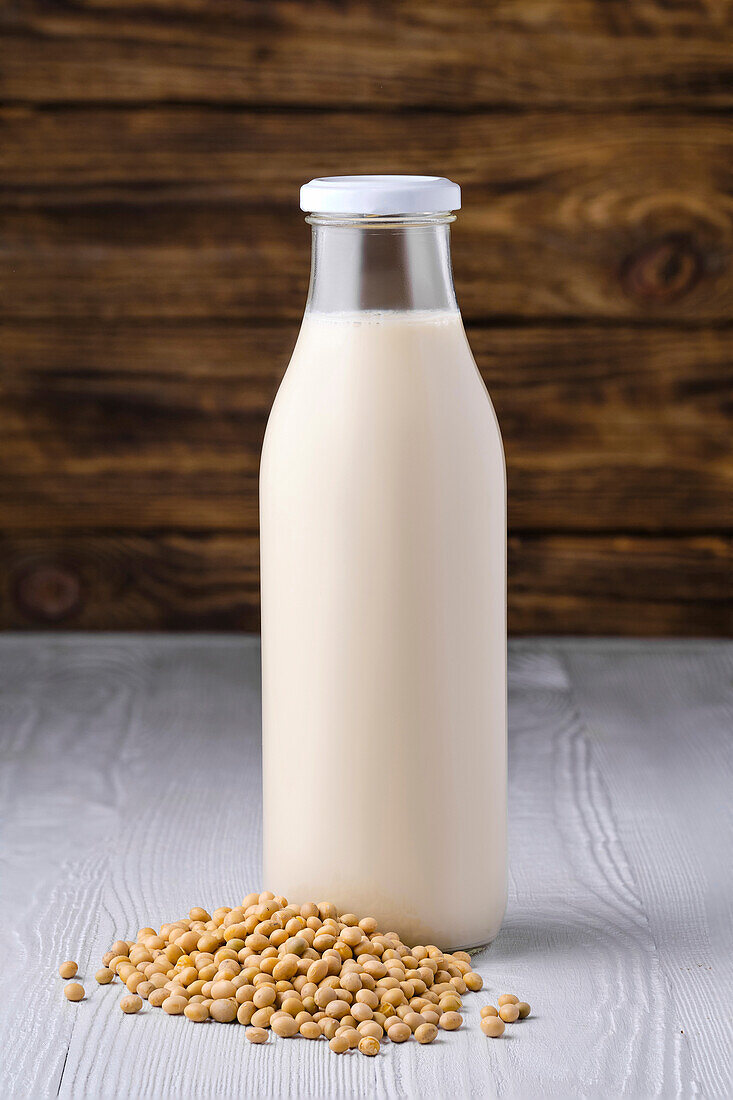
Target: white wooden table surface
130	791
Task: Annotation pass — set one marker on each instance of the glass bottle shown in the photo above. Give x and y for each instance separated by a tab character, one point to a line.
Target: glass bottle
383	582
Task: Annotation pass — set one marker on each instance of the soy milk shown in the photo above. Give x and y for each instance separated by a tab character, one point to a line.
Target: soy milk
383	564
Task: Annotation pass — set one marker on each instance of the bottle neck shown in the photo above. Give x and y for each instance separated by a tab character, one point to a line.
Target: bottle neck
378	263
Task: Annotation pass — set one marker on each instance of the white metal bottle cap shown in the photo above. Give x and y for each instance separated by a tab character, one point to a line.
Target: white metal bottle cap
380	195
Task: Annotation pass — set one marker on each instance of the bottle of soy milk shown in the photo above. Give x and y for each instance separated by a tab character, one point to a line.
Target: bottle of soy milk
383	563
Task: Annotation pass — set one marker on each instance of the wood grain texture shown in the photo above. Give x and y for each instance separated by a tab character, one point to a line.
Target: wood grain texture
191	212
200	581
621	584
673	715
582	53
159	424
153	268
618	902
593	166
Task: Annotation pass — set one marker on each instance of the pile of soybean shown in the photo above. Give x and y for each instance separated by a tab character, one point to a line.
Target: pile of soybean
296	970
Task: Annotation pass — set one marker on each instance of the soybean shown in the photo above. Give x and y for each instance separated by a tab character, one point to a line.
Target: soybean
222	989
223	1010
425	1033
246	1011
285	1026
256	1034
351	1035
297	969
451	1021
398	1032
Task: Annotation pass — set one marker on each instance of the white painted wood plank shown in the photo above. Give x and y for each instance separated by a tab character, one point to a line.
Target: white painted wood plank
63	718
130	791
575	933
660	724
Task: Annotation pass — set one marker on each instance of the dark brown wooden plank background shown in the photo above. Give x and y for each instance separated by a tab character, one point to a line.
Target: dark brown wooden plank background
154	266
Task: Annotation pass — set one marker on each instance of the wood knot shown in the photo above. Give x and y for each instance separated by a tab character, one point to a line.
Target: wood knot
664	270
48	592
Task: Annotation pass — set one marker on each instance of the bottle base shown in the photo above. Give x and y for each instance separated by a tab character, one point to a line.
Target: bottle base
475	948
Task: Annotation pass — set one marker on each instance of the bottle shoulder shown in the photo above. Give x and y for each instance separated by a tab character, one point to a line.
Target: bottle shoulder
429	352
400	374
